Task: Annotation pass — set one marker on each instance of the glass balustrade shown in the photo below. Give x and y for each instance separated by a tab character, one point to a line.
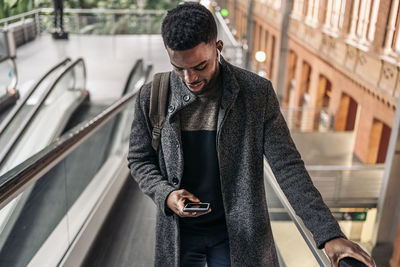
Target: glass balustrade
50	212
40	119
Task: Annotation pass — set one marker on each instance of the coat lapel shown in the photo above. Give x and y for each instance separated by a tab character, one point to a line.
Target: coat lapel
180	96
230	89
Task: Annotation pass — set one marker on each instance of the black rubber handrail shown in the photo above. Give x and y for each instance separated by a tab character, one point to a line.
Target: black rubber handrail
17	179
31	115
7	120
351	262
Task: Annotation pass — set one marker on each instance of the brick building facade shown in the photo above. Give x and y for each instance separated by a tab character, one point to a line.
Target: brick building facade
343	58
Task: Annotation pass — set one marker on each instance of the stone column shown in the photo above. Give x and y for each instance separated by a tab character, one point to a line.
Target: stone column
391	27
354	18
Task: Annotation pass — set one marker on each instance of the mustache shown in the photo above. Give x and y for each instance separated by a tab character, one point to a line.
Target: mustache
195	83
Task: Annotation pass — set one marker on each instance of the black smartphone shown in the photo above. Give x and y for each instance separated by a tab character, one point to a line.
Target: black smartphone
351	262
196	207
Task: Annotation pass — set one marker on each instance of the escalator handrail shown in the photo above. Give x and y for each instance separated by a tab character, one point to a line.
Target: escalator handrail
4	124
319	255
20	177
31	115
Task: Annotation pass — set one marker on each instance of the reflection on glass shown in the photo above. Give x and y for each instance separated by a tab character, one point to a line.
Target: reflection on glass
61	102
41	223
28	221
35	215
288	240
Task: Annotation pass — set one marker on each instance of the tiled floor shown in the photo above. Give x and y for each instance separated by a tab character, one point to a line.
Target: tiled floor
108	59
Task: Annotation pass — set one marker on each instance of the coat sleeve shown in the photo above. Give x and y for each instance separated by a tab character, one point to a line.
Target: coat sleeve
142	159
293	178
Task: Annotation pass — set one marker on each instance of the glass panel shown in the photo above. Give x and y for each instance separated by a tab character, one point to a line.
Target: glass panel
308	119
91	167
41	223
349	188
50	118
6	75
288	240
29	219
350	192
102	23
4	52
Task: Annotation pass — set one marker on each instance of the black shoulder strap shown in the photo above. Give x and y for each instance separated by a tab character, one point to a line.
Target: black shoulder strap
158	105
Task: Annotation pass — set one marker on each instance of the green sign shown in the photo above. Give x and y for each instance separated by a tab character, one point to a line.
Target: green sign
224	12
350	216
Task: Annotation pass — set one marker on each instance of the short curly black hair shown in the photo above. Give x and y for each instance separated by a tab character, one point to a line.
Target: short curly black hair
187	25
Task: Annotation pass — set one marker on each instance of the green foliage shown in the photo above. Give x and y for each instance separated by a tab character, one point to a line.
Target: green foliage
161	4
13	7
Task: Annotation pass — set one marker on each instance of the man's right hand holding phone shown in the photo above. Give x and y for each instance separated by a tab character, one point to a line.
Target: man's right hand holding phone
176	202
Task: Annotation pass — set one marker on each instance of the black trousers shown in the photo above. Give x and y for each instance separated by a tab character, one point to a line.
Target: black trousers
197	249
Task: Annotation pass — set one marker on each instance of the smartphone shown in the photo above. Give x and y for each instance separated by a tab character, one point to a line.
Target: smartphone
196	207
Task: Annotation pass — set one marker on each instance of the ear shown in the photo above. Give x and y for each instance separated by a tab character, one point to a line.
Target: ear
220	45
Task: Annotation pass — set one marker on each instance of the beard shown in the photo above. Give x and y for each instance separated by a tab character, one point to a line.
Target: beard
208	84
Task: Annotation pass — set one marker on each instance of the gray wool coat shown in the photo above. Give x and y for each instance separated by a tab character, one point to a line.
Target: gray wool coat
250	125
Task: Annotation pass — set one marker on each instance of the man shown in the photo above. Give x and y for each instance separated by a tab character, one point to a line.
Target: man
58	15
221	120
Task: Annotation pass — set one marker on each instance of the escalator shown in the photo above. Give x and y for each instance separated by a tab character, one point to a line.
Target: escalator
30	109
28	128
45	220
127	237
81	208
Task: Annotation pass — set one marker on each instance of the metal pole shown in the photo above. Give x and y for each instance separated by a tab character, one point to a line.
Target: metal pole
388	215
234	14
37	23
24	30
286	9
249	34
77	23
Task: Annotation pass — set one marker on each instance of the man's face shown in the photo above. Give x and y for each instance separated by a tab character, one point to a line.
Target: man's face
197	67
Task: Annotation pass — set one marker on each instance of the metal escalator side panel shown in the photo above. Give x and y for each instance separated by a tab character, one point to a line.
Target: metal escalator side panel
16	109
9	216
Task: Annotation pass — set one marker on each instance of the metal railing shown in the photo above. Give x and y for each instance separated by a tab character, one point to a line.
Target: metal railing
97	21
356	186
233	51
66	186
319	254
308	119
273	187
17	179
107	21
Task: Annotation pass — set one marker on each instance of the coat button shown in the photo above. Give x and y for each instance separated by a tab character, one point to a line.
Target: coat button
186	98
171	109
175	181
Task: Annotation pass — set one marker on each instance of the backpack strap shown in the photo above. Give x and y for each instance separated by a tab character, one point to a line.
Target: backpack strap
158	105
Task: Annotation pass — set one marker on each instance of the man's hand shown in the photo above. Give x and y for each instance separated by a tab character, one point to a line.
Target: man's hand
339	248
176	202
